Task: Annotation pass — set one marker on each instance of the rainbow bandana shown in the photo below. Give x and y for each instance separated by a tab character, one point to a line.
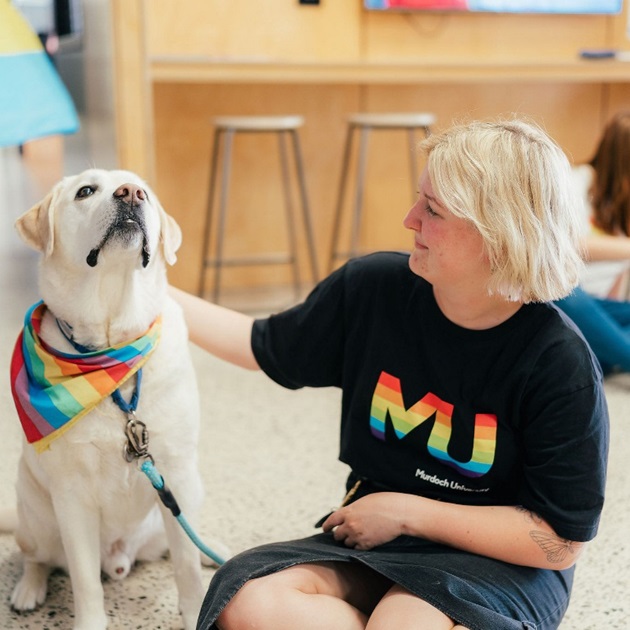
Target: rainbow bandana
53	390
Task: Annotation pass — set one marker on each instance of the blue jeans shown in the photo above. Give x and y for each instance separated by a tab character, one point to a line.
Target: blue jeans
606	326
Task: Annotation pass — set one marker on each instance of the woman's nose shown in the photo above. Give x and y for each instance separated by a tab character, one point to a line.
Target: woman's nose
411	220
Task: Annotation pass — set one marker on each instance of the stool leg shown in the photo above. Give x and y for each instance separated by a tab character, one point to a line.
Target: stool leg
208	221
225	183
413	162
358	199
345	165
308	227
289	210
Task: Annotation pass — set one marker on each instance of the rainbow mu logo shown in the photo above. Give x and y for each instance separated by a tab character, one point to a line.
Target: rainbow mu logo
388	401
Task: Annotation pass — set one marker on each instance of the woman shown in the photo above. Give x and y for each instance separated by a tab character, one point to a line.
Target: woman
33	100
473	415
598	306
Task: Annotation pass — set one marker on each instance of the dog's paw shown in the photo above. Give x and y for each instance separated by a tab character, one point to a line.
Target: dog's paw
94	623
218	548
31	589
189	606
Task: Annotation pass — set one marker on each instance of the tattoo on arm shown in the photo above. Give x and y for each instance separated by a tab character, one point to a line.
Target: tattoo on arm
556	548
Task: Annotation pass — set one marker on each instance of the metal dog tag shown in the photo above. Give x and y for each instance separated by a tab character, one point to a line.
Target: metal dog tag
137	444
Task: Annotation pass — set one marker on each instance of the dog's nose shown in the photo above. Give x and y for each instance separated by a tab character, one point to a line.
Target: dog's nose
130	193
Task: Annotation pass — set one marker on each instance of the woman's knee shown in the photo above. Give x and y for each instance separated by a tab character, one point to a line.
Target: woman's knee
264	598
401	609
254	600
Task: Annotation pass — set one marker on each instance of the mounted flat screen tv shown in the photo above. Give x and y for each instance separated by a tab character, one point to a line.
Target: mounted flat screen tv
499	6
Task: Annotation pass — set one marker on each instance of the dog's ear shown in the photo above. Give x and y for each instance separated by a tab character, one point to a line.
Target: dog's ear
170	236
36	226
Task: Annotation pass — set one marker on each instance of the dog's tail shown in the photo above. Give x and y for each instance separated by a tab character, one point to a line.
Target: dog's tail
8	519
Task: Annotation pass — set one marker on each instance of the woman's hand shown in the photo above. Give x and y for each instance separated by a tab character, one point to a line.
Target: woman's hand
370	521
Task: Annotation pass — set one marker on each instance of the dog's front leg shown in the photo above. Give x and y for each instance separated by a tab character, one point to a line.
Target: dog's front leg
79	524
187	568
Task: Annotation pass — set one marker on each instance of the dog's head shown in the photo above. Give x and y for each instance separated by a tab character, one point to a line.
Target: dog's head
101	215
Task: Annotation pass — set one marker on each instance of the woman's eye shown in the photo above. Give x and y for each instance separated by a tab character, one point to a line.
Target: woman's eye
430	211
85	191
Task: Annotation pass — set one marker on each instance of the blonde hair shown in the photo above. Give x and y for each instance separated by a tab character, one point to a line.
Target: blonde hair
513	183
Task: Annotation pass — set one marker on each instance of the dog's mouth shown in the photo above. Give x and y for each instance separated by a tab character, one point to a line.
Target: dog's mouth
128	226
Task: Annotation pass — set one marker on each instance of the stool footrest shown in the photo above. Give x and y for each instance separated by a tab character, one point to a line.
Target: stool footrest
261	259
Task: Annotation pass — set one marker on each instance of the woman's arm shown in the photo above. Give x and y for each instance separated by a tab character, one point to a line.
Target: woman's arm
220	331
506	533
606	247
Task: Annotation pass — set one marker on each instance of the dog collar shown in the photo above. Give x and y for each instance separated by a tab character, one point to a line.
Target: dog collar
66	330
52	390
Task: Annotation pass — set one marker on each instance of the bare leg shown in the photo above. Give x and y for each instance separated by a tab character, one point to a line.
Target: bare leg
402	610
307	596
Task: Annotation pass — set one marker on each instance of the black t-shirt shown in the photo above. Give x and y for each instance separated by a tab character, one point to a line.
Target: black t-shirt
512	415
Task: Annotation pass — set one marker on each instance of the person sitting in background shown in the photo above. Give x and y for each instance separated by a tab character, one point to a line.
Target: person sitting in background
474	419
599	304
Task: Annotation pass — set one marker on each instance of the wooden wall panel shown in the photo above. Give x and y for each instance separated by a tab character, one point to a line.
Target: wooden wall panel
257	31
132	88
617	98
183	116
482	38
620	28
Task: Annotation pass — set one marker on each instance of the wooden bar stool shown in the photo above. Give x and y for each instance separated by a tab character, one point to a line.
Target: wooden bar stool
225	128
364	123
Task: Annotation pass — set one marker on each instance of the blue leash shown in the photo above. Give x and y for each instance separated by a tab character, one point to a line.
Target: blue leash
169	501
137	447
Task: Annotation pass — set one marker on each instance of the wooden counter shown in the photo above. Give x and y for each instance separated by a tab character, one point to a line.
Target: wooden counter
214	70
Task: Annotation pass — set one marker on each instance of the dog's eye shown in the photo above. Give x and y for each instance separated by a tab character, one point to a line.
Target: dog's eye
85	191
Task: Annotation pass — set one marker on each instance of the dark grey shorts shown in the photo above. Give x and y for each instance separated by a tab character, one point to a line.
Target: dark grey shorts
477	592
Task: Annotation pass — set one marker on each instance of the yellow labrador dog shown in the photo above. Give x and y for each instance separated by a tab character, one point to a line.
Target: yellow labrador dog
83	503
